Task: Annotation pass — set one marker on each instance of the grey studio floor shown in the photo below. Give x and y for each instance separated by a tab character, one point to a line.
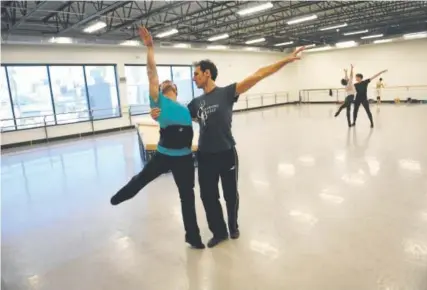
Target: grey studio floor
322	208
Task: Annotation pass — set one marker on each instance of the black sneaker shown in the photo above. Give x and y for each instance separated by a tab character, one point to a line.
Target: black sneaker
235	235
215	241
196	244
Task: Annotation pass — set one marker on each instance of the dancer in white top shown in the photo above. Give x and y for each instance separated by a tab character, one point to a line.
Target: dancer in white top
380	86
350	91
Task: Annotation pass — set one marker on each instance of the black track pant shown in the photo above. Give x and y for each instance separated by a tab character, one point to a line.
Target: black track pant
347	104
365	104
182	168
212	166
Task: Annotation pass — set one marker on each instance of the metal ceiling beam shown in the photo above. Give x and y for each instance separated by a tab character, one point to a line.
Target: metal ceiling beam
39	5
147	13
96	15
64	6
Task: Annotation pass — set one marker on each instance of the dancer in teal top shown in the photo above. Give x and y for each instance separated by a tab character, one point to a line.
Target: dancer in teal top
173	150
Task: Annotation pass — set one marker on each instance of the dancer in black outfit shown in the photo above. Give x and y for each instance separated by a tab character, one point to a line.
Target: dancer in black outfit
362	96
350	91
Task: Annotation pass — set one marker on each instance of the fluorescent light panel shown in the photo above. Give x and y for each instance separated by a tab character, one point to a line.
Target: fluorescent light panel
284	43
333	27
130	43
383	41
415	35
356	32
258	40
301	19
167	33
372	36
319	49
182	45
217	47
61	40
219	37
95	27
255	9
346	44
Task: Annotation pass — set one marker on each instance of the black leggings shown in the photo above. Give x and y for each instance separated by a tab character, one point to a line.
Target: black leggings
365	104
211	167
347	104
182	168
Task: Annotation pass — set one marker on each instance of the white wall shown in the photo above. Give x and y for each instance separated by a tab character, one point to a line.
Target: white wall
232	65
406	62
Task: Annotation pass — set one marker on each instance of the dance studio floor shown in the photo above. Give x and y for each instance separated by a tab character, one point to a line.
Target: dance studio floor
322	208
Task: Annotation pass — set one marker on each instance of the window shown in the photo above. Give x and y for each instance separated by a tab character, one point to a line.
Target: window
102	90
6	116
182	78
138	86
31	96
197	92
69	94
137	89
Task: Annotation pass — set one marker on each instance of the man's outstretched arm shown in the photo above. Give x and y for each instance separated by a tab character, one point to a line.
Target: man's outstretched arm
378	74
262	73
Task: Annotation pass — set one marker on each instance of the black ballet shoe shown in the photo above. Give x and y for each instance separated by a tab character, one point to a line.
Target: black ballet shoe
196	244
235	234
215	241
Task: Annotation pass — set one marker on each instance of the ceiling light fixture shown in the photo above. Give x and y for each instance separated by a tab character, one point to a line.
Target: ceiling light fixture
258	40
319	49
346	44
372	36
301	19
334	27
255	9
415	35
130	43
182	45
61	40
382	41
284	43
356	32
217	47
95	27
219	37
167	33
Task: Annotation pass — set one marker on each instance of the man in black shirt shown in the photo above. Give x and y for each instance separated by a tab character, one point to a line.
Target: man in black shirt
362	96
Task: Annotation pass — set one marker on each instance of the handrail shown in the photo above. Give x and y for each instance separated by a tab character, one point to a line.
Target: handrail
388	87
48	120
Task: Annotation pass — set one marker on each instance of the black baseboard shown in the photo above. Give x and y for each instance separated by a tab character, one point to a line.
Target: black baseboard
66	137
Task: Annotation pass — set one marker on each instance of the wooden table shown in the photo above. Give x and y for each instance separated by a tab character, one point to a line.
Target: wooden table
148	137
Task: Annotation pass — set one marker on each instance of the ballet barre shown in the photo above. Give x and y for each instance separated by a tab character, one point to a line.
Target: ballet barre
148	137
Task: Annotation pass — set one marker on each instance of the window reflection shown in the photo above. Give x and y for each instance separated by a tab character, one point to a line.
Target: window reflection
102	90
69	94
182	78
6	115
138	86
31	97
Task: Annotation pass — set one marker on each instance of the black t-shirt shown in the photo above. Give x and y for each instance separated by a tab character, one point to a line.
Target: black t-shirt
362	89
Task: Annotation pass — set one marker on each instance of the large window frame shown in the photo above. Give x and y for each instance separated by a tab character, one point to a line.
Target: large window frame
52	101
170	66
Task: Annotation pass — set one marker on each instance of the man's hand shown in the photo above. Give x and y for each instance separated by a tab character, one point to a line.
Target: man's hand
155	113
145	36
294	56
